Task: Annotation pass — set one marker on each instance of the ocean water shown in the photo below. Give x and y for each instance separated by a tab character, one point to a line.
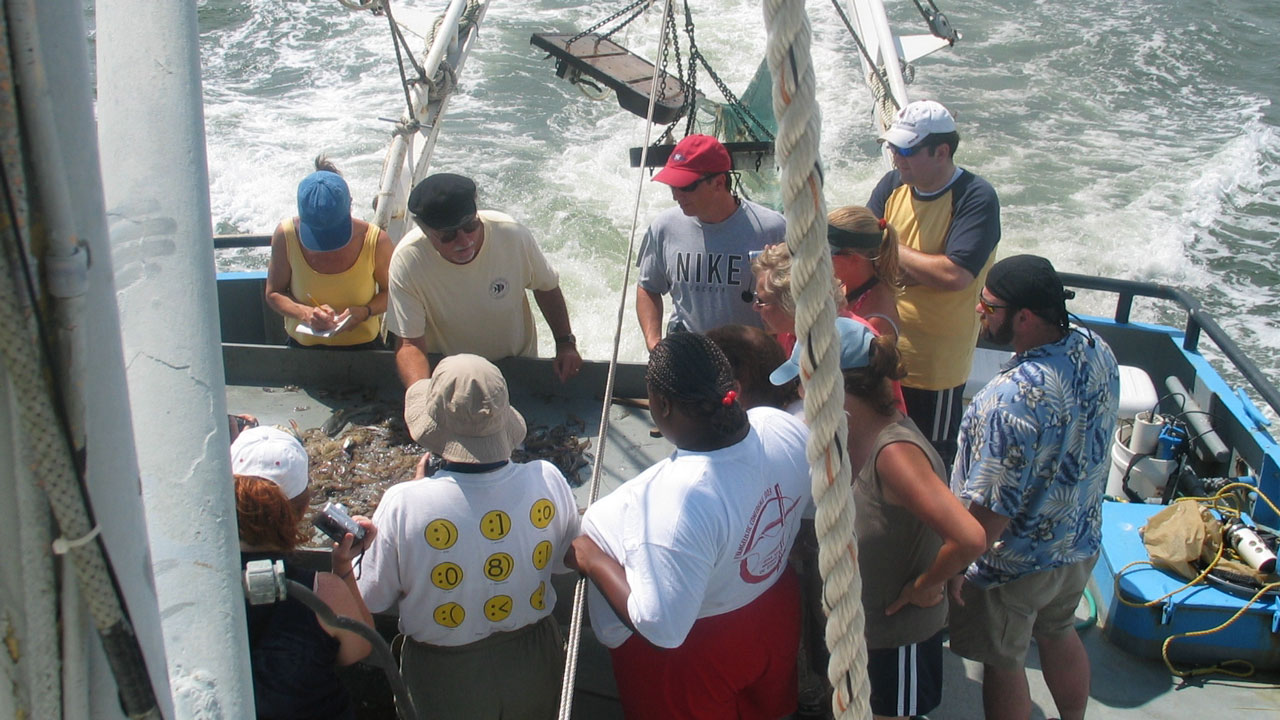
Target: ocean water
1133	140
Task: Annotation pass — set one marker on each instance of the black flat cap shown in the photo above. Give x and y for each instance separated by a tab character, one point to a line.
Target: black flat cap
443	201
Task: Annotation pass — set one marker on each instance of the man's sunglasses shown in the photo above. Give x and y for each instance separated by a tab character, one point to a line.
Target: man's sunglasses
906	152
989	308
444	237
694	185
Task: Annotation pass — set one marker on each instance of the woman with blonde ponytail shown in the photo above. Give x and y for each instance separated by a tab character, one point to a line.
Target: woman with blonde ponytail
864	253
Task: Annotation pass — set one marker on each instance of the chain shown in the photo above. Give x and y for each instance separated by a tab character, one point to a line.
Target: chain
633	6
743	113
690	83
626	22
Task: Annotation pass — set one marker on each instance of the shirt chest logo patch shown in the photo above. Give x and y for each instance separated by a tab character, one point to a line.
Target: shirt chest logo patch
763	548
499	287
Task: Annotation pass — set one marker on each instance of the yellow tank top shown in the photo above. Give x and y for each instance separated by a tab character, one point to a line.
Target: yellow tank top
352	287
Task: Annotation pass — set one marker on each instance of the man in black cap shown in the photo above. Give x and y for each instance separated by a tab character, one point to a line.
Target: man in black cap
1032	464
458	284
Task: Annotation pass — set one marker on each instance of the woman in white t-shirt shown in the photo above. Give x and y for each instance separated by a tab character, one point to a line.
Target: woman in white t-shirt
691	588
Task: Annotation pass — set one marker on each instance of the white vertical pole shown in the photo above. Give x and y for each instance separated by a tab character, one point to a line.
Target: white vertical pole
52	66
155	181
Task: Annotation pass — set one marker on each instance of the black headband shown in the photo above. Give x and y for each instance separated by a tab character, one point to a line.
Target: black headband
842	239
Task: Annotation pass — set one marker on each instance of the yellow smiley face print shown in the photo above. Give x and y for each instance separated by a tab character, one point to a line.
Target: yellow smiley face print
538	600
497	608
542	513
450	615
495	524
498	566
542	554
441	534
446	576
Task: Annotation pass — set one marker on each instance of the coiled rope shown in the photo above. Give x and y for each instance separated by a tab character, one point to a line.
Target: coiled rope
796	108
1226	667
574	640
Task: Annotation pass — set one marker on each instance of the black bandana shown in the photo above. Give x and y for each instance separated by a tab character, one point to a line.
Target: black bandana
1029	281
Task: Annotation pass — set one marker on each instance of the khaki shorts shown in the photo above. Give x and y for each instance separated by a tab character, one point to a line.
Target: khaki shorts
513	675
995	625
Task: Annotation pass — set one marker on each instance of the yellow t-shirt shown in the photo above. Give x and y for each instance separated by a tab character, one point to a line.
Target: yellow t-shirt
940	327
352	287
478	308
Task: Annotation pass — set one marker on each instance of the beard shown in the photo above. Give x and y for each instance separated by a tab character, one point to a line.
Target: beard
1001	334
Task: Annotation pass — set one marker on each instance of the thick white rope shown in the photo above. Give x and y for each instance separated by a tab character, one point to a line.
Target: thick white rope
580	589
795	106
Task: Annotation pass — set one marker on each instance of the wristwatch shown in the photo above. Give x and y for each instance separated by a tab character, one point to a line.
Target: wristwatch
567	340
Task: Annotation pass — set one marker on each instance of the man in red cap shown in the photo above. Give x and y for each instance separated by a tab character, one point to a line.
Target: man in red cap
699	251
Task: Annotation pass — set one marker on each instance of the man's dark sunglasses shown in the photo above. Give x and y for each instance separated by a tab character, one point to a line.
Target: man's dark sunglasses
694	185
444	237
905	152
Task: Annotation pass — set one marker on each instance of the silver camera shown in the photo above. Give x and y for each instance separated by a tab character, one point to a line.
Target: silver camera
336	522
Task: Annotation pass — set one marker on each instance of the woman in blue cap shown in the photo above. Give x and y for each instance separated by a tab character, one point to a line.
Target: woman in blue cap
328	270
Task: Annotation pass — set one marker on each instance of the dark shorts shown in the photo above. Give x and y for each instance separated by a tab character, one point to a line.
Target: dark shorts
738	665
906	680
937	414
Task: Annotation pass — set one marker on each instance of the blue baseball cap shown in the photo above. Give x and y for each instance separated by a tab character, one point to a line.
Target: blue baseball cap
855	351
324	211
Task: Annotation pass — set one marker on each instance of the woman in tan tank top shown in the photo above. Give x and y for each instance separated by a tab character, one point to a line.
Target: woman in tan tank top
913	534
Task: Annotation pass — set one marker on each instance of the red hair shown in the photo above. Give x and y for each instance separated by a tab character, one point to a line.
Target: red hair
265	517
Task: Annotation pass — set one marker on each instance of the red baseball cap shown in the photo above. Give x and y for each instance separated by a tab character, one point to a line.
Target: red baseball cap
694	158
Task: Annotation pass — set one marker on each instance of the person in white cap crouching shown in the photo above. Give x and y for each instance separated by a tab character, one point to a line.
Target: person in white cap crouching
468	553
293	655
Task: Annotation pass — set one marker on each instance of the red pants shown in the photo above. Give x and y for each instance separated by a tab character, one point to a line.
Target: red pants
741	664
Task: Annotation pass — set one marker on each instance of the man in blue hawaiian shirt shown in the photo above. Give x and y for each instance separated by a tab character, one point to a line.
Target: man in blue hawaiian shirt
1032	464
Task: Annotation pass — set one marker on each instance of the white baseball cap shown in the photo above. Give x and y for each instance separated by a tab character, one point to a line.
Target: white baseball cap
917	121
271	454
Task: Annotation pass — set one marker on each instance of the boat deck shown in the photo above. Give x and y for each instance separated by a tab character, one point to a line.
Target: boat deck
278	385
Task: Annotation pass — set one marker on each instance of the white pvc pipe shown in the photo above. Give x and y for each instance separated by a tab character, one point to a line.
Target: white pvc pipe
397	179
445	38
151	135
52	64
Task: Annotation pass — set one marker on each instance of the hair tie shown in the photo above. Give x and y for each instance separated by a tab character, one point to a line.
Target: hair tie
883	223
729	397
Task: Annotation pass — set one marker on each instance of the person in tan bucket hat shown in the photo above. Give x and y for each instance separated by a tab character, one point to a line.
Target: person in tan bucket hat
468	553
464	415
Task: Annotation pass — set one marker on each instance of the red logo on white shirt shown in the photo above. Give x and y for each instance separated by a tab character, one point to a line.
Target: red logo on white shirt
763	548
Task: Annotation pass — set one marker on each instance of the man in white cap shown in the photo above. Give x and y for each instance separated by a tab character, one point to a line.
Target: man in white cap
468	553
292	654
948	223
699	252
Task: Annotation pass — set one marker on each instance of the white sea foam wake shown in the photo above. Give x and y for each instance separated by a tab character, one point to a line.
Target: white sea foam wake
1119	146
